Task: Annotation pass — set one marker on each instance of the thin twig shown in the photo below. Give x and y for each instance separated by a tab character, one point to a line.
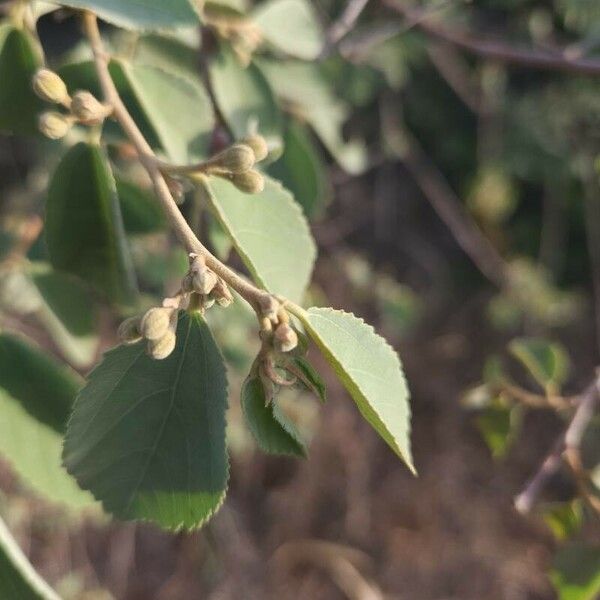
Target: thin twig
569	441
148	159
342	26
534	58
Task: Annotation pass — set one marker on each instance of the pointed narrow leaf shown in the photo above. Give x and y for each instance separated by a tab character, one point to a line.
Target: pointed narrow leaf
36	396
269	232
147	437
246	100
273	431
309	377
140	14
369	369
18	579
84	227
291	26
177	108
548	363
19	106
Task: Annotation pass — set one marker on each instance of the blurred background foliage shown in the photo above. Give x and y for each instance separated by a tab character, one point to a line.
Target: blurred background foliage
455	201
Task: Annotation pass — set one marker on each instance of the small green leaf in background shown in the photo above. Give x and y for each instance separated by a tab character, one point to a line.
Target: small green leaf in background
308	377
290	26
84	227
147	437
576	572
269	232
547	362
272	430
140	14
246	100
18	579
36	395
220	241
369	369
20	58
307	93
140	209
564	519
499	424
178	109
301	170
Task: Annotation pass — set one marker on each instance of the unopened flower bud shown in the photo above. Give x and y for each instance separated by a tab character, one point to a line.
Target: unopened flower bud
129	330
54	125
235	159
203	281
161	348
250	182
269	307
155	323
88	109
50	87
221	293
285	338
258	145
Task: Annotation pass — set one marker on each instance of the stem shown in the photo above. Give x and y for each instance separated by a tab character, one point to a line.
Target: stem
146	155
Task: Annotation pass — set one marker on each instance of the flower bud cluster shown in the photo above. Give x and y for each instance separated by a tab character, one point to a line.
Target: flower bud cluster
83	106
204	286
236	164
157	326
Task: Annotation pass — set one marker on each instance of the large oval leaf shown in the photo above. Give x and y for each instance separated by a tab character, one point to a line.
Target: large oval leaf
36	396
19	106
269	232
84	227
291	26
147	437
272	430
369	369
140	14
18	579
246	100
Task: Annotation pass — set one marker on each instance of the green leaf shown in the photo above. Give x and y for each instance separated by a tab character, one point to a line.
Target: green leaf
141	212
178	109
564	519
84	227
290	26
369	369
305	90
308	377
147	437
36	396
269	232
246	100
499	425
20	57
140	14
272	430
576	572
67	313
301	170
547	362
18	579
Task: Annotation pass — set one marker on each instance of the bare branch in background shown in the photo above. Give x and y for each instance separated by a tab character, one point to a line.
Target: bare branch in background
534	58
342	26
568	442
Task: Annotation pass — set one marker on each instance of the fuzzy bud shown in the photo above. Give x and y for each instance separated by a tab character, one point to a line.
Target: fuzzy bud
155	323
50	87
88	109
250	182
238	158
54	125
258	145
285	338
129	331
269	307
221	294
162	347
203	281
